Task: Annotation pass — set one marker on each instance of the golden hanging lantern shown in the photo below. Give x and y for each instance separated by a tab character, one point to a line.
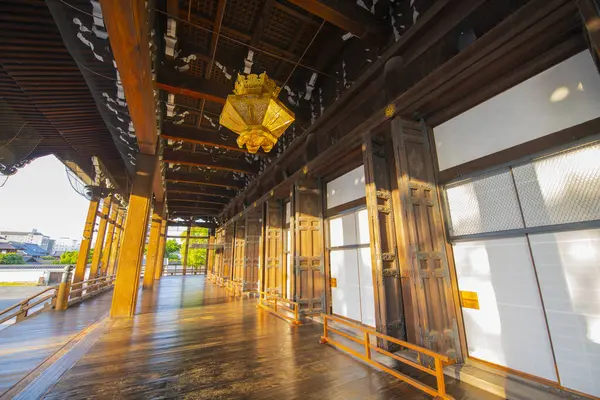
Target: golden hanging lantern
255	113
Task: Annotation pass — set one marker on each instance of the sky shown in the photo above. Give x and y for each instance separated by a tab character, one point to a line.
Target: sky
40	197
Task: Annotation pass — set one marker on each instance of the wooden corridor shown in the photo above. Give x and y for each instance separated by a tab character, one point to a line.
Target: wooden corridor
189	339
25	345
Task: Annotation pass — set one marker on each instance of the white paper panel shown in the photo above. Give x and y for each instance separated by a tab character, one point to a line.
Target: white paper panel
288	212
342	230
346	296
568	266
565	95
509	328
367	296
362	225
348	187
289	276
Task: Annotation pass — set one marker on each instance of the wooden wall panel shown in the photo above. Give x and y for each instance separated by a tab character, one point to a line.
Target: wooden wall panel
426	260
218	260
252	240
228	251
307	254
239	252
378	159
210	259
274	248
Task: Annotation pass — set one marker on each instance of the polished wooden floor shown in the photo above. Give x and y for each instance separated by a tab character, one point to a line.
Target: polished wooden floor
25	345
190	340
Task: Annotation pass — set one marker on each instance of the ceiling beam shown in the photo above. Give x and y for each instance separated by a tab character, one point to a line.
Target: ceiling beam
176	82
127	29
209	212
591	17
128	34
202	179
200	190
174	204
172	222
345	15
223	138
204	161
195	198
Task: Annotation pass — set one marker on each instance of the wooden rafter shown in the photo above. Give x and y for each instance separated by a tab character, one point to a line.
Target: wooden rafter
175	82
203	179
175	204
126	25
346	15
196	198
200	160
199	190
223	139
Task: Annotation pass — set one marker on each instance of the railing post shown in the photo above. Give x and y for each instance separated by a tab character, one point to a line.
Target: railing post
324	337
62	297
367	345
22	315
275	304
439	375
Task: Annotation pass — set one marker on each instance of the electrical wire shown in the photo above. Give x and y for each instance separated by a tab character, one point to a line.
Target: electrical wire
303	54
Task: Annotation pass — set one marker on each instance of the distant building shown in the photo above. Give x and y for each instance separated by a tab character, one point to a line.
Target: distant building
6	248
33	237
30	252
64	244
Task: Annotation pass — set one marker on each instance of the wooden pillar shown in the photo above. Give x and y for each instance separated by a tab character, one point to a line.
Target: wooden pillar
186	248
307	253
153	245
273	280
590	13
160	259
210	256
252	241
84	248
228	250
239	256
116	244
379	166
100	235
108	245
134	238
424	265
219	253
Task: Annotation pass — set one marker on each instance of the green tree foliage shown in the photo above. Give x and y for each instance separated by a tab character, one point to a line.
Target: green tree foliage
172	249
11	259
70	257
196	257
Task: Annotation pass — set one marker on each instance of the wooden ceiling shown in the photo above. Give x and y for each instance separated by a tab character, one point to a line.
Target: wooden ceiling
331	55
298	43
42	90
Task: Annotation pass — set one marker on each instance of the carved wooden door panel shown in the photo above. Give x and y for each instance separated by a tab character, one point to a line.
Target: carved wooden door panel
239	253
253	238
228	251
274	248
309	265
218	262
384	255
427	263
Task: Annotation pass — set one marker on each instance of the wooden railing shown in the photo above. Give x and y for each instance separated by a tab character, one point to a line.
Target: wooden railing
279	307
31	306
85	289
439	360
234	287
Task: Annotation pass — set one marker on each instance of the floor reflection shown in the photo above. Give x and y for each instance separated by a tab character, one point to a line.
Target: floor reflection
189	339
